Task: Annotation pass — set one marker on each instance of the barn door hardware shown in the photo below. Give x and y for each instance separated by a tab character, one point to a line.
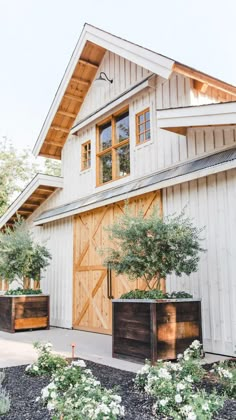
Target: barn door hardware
109	283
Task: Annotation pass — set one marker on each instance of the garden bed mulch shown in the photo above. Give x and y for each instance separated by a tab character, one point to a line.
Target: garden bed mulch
24	389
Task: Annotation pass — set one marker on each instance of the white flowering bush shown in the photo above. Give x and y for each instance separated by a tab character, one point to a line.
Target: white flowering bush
173	386
226	375
4	397
75	394
47	362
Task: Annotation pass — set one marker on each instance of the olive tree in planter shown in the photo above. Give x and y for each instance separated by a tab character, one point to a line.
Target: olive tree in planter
22	259
152	324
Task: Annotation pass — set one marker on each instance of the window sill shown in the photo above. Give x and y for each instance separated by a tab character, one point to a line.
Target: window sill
144	144
113	182
85	171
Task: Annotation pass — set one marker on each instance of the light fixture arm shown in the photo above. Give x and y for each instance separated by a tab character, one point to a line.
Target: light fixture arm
107	78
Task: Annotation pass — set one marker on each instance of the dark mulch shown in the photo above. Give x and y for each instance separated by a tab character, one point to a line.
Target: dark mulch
24	389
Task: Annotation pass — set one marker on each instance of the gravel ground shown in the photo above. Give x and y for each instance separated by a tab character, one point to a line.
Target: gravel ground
24	389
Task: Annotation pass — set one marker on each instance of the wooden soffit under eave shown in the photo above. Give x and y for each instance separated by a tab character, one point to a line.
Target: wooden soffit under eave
72	100
31	204
202	80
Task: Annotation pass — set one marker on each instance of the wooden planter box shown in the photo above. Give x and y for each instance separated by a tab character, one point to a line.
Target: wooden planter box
154	329
24	312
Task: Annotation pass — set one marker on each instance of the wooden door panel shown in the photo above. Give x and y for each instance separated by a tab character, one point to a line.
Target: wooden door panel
92	310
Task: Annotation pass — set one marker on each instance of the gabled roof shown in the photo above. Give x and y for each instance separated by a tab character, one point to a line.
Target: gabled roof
35	193
81	71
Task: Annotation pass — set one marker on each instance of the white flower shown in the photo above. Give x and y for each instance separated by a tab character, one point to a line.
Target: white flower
195	345
79	363
163	373
224	372
50	406
164	402
144	369
180	387
117	398
178	398
189	379
186	409
191	416
35	368
186	357
51	385
175	367
45	393
179	356
53	395
37	399
205	407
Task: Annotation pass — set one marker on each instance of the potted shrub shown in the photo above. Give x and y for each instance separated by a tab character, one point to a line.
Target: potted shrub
22	259
152	324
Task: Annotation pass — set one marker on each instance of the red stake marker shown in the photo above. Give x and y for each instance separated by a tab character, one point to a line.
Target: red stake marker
73	350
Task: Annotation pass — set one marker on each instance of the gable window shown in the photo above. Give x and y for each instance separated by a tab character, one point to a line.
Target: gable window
143	127
113	155
86	155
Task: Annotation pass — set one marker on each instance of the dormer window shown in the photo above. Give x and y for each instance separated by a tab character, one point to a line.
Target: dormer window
86	155
113	154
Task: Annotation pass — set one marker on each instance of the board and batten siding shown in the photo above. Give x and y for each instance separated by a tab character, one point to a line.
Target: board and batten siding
211	202
124	73
58	277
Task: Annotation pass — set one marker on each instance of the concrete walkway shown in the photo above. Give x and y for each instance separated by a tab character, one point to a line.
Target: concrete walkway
16	349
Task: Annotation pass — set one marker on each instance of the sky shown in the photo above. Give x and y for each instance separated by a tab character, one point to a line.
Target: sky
37	38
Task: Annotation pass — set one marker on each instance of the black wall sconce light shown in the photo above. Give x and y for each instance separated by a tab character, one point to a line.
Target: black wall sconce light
103	78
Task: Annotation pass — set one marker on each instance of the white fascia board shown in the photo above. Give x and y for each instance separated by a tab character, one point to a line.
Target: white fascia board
158	186
197	116
60	92
132	91
39	179
141	56
148	59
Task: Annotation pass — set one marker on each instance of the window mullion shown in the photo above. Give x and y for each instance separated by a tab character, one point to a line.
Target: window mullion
113	152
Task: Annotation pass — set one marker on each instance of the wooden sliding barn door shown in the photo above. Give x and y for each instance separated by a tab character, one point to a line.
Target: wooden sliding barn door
92	309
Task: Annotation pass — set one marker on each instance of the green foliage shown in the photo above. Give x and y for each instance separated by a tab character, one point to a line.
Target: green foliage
17	168
151	248
226	374
75	394
4	397
47	362
154	294
174	387
20	256
19	291
52	167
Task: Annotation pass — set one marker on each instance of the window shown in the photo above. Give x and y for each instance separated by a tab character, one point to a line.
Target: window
143	130
86	155
113	155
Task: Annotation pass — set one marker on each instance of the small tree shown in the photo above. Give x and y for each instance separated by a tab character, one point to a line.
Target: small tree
20	256
151	248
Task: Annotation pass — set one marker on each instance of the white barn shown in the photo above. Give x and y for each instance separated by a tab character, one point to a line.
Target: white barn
160	133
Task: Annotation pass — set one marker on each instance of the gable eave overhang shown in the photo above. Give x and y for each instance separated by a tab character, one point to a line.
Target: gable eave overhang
178	120
55	135
35	193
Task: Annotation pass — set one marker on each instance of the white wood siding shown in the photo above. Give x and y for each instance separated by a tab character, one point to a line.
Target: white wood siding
124	74
211	202
58	277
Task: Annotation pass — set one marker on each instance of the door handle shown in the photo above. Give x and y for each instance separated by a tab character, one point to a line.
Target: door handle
109	283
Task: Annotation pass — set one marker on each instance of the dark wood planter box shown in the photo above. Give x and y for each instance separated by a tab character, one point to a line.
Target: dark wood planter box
154	329
24	312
